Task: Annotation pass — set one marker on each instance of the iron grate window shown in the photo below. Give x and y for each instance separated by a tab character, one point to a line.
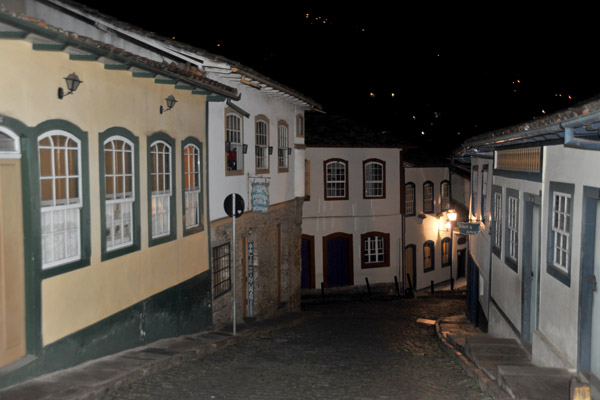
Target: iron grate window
221	270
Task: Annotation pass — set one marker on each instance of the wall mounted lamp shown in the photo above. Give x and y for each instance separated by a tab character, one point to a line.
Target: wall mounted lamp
170	104
73	83
270	150
244	148
452	215
289	151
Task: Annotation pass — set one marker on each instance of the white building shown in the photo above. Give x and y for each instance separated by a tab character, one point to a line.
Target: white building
351	220
257	144
430	247
541	222
359	226
480	201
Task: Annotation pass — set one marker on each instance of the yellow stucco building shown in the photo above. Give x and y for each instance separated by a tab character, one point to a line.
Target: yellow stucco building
103	239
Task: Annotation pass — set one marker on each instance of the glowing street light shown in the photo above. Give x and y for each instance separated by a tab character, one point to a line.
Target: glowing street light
452	215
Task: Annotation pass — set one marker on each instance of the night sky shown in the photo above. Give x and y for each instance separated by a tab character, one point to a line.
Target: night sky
426	75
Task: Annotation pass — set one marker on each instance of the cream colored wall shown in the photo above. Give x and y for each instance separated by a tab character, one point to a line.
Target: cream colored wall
30	79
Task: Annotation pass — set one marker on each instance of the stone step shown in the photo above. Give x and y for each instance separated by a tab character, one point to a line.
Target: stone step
531	382
488	353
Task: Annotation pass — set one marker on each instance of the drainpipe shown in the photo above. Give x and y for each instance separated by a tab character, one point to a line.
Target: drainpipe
207	216
402	212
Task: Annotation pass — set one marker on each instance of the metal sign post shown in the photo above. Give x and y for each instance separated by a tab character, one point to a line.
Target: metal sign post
234	207
250	279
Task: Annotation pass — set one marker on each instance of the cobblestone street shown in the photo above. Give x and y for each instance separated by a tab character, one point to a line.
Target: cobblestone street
347	350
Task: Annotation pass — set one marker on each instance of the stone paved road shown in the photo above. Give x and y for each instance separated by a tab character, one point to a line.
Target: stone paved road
352	350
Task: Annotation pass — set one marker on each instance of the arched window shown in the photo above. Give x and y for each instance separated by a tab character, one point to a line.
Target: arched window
409	199
262	144
60	194
283	147
446	252
374	178
445	195
9	144
428	197
192	186
336	179
234	142
161	166
119	193
428	256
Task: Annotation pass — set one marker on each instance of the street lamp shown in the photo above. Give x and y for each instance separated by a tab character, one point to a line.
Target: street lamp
170	104
73	83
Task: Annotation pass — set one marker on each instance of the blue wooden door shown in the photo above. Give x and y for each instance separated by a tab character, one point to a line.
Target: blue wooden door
306	267
338	254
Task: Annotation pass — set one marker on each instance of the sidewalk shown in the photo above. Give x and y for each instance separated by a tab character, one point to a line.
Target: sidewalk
96	378
503	367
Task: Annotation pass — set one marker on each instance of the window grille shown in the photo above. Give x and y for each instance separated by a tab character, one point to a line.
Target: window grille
221	270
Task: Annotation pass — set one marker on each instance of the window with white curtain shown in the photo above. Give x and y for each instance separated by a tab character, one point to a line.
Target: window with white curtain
61	197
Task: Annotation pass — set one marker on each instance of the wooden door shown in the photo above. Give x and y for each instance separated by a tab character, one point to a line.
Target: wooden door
338	260
12	284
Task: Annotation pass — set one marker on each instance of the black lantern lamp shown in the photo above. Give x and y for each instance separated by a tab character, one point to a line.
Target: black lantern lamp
73	83
170	104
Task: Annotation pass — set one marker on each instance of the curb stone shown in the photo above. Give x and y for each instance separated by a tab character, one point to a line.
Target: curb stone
488	385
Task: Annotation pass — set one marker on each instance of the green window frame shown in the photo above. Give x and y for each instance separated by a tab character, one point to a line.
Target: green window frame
161	187
110	176
32	195
192	186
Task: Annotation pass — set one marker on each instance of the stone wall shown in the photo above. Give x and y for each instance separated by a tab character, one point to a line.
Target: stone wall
277	238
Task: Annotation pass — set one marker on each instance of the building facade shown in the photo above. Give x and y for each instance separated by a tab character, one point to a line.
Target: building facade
543	227
104	223
256	141
257	152
431	248
351	220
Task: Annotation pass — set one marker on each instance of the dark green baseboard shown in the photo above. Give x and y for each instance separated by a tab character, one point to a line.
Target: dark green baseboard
182	309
